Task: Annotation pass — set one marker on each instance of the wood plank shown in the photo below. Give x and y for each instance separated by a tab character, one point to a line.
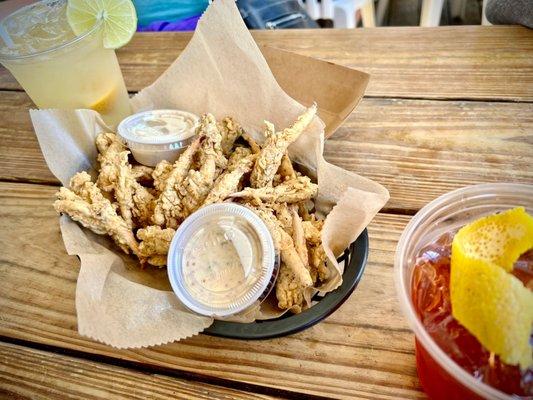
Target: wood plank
459	62
418	149
364	350
32	374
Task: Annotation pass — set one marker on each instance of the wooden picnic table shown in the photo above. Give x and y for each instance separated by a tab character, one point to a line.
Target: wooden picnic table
445	108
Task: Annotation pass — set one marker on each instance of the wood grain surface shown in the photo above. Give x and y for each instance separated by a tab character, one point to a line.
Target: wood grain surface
364	350
26	373
446	107
459	62
418	149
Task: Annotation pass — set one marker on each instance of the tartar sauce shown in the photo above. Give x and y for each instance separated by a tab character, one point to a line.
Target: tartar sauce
221	260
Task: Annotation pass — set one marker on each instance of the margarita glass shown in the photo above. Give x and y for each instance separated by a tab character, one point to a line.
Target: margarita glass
59	69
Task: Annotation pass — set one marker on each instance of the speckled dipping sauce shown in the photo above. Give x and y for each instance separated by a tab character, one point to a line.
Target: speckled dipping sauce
222	260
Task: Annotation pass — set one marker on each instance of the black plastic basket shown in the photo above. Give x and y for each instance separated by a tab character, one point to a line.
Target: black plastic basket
354	257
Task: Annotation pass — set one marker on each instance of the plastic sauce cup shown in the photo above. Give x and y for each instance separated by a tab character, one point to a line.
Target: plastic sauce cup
157	135
222	260
439	375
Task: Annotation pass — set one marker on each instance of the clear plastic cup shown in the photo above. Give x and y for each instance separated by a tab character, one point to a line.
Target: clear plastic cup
222	260
58	69
439	375
157	135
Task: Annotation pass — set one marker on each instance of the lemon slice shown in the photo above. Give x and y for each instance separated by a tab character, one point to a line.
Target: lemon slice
105	103
119	19
491	303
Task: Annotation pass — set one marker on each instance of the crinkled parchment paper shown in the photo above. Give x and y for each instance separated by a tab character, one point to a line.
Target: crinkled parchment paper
221	71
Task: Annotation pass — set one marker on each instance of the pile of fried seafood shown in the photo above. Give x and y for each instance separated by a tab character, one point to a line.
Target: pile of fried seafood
141	207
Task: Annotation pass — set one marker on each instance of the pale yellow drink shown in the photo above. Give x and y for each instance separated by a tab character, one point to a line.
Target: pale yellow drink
59	69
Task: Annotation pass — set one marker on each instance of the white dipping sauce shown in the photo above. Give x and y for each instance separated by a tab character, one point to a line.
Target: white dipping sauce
157	135
173	124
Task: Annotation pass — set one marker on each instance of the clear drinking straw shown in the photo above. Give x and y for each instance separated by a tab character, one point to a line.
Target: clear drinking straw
5	37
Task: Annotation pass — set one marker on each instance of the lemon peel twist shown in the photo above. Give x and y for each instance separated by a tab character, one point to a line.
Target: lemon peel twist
486	299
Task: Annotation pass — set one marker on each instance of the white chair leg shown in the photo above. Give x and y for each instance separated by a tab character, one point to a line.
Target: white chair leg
327	9
383	6
367	14
313	9
431	11
344	14
484	20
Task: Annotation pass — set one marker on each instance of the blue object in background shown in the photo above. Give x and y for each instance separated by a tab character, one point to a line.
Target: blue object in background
169	11
187	24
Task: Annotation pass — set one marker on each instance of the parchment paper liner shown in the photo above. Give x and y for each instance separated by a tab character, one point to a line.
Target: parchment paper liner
221	71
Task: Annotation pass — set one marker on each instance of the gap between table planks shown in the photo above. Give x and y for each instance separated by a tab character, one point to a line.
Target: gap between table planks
454	62
418	149
363	350
35	374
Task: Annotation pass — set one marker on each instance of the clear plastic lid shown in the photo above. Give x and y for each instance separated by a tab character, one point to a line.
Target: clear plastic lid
221	260
172	129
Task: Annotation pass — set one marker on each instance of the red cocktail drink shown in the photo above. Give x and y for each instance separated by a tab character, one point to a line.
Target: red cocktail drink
431	299
451	362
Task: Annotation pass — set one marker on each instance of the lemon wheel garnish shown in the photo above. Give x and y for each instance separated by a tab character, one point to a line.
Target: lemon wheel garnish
119	19
486	299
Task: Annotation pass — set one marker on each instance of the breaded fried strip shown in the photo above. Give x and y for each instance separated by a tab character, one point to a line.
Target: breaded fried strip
228	182
168	206
231	131
283	215
285	244
293	277
85	203
275	146
109	148
198	184
160	174
298	236
142	173
155	243
116	175
317	262
286	170
312	231
317	257
291	191
252	143
289	291
212	144
238	154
